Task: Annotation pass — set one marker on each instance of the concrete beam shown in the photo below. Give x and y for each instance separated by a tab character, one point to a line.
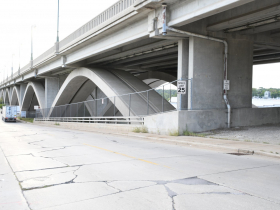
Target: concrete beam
166	63
261	29
267	46
246	18
149	47
148	55
153	60
265	52
184	12
267	57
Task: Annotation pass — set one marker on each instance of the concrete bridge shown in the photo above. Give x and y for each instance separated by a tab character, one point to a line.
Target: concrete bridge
136	45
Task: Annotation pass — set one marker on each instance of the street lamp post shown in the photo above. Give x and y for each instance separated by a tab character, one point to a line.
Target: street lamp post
57	34
33	26
19	60
12	65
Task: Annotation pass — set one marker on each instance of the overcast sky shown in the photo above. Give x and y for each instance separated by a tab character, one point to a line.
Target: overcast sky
17	17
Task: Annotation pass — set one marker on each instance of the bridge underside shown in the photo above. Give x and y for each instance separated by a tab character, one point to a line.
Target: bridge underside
130	58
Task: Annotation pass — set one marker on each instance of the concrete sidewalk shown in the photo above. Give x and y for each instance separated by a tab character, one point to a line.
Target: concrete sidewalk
230	146
216	144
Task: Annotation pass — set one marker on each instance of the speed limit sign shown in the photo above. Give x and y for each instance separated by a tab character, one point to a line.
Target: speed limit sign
181	87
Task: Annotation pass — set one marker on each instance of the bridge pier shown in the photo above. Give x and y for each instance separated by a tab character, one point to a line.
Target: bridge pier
51	90
22	90
183	71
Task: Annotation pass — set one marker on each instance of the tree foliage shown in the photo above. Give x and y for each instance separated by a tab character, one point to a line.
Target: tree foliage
167	93
275	92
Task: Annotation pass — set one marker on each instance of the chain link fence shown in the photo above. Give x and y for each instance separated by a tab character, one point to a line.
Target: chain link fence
139	104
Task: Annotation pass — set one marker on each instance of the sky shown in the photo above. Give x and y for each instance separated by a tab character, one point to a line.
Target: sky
17	17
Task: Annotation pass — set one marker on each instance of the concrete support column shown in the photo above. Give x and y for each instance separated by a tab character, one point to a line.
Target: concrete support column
51	90
240	68
22	90
182	73
206	69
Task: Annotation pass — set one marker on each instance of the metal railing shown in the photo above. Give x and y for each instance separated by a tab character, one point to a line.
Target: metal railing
126	106
104	16
106	120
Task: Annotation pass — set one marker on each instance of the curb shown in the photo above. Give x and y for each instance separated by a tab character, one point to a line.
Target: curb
186	143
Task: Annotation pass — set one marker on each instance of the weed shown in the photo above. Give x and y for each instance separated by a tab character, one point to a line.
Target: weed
277	153
158	131
265	142
27	119
188	133
248	140
136	130
271	152
174	133
142	129
262	150
56	123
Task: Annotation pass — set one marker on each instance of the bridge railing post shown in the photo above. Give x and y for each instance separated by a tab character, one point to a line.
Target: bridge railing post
147	102
129	106
114	106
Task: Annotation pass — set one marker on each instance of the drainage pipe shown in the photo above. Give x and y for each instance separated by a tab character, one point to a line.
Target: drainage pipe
164	32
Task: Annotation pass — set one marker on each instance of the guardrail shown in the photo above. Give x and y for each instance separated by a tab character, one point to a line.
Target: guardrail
104	16
106	120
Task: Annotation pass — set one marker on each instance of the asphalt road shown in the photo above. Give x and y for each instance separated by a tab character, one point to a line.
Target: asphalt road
57	169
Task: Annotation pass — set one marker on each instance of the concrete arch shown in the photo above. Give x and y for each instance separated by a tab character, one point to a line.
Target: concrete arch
34	95
1	96
15	98
155	78
7	98
111	83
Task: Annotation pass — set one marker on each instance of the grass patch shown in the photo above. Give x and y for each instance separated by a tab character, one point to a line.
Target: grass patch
248	140
277	153
136	130
188	133
27	119
142	129
265	142
174	133
56	123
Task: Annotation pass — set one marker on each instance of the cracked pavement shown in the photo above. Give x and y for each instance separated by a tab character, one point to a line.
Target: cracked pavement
57	169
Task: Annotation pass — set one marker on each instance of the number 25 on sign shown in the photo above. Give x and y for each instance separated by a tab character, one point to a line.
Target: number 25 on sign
181	87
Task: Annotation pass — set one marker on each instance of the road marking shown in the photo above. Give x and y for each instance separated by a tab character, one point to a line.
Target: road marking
146	161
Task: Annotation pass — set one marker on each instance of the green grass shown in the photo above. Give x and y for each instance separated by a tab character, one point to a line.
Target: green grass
142	129
174	133
27	119
265	142
188	133
56	123
136	130
1	105
247	140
